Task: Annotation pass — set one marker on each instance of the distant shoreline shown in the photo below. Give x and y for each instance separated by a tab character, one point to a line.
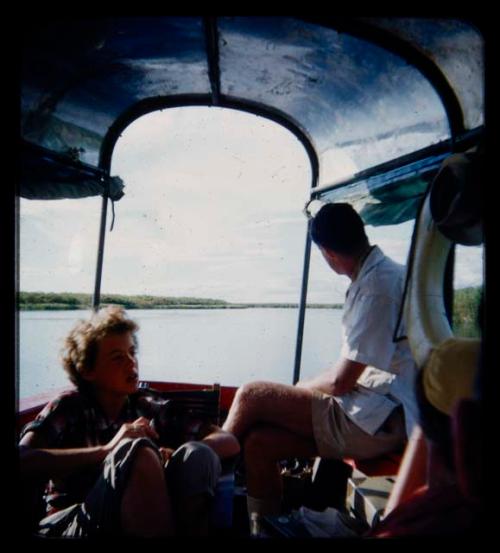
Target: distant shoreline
465	305
51	301
49	307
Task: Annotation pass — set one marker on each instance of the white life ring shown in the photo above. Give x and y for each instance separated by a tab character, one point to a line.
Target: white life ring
424	309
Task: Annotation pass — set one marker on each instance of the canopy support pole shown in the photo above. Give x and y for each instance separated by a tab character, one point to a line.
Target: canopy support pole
302	306
100	253
212	46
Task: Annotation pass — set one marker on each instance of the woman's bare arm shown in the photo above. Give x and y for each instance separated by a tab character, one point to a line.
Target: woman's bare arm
36	459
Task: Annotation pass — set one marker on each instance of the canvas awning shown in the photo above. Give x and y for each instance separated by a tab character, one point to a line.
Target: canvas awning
357	92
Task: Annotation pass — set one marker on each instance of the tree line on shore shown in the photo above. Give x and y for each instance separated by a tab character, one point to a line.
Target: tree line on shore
465	305
39	301
466	312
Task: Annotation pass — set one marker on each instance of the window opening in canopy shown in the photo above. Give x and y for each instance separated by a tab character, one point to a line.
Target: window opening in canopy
211	218
467	290
57	251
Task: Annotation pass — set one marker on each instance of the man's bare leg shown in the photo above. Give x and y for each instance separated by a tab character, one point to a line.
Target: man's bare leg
273	422
263	448
270	403
146	509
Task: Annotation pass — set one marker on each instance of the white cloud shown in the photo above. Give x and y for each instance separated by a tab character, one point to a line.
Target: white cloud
220	198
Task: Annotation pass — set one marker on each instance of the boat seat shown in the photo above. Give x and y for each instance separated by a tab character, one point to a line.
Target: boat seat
385	465
370	485
330	477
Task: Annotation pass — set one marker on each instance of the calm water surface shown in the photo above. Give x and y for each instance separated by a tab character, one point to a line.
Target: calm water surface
229	346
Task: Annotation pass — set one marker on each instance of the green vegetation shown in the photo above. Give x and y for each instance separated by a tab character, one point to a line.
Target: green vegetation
465	308
285	305
68	300
465	320
38	301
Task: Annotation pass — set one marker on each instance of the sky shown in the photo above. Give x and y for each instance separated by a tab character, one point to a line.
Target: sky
212	208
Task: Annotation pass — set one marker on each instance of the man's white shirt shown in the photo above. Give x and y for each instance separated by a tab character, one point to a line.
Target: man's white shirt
368	323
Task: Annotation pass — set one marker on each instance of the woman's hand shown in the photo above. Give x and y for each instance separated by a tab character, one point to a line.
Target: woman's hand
166	453
140	428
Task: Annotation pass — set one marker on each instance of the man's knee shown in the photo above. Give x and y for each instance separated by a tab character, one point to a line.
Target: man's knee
250	394
246	392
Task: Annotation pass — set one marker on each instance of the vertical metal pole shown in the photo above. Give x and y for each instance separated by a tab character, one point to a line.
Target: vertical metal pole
212	47
14	338
448	290
100	253
313	158
302	306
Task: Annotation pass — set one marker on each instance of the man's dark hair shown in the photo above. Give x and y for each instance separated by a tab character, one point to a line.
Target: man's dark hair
338	227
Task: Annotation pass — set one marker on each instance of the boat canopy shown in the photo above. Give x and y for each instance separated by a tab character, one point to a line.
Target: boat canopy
392	96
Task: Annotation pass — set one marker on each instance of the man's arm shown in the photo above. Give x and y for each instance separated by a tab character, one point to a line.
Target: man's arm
337	381
223	443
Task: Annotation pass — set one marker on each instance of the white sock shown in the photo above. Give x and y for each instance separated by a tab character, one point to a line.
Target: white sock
262	507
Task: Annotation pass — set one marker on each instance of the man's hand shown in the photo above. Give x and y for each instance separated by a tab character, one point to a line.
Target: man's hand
337	381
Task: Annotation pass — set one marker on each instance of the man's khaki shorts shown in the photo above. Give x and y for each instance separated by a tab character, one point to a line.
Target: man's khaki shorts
337	436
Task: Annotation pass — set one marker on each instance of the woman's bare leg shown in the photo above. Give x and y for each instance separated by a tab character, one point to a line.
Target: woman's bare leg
146	510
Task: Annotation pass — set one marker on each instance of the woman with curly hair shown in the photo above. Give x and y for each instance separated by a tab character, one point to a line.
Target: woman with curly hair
97	448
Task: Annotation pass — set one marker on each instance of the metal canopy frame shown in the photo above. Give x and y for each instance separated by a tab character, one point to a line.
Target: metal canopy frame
409	53
154	104
352	26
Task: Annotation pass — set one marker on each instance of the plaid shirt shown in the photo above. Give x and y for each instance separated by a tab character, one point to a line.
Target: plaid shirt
75	420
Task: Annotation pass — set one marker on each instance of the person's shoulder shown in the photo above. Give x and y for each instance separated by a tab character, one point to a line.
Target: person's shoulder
72	396
385	279
386	267
70	393
66	405
68	400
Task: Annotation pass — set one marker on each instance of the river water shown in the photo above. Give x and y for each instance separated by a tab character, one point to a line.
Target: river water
229	346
